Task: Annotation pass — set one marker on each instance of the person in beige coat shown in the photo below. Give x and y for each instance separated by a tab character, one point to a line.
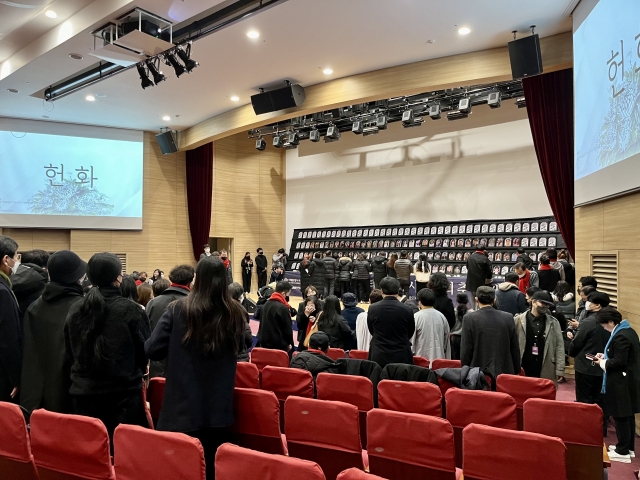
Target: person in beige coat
540	340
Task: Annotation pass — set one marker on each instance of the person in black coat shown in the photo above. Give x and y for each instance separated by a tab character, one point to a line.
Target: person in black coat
331	268
200	336
10	327
104	338
345	267
30	278
621	383
334	325
391	325
379	268
236	291
478	270
318	272
246	264
509	298
308	311
439	283
261	268
305	276
276	330
524	258
548	277
46	371
489	339
315	359
181	277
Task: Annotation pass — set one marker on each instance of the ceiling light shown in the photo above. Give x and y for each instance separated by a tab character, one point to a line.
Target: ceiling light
253	34
465	105
494	100
333	134
100	95
13	90
464	31
435	112
372	130
155	73
144	77
278	141
456	115
314	135
90	98
357	127
261	144
166	118
409	120
520	102
185	56
177	66
327	71
235	98
75	56
292	141
51	14
381	122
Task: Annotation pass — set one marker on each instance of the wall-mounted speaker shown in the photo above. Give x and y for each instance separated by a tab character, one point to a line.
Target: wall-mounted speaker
280	99
167	142
525	56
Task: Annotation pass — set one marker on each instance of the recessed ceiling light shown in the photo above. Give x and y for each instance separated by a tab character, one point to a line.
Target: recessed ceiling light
166	118
45	116
51	14
90	98
75	56
235	98
13	90
464	31
101	95
253	34
327	71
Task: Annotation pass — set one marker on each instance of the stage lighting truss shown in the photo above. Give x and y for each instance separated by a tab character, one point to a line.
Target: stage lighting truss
370	118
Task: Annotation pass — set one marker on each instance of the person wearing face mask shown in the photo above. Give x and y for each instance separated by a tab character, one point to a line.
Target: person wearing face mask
540	339
46	372
10	328
224	256
261	268
142	278
206	253
247	268
590	339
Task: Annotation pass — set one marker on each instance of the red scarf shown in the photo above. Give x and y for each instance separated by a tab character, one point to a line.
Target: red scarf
278	297
545	267
226	263
177	285
525	282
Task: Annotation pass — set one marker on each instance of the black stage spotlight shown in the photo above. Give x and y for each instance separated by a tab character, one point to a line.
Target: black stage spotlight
293	139
381	122
145	82
465	105
314	135
261	144
435	112
333	134
456	115
409	120
521	102
185	56
278	140
357	127
157	75
494	99
173	61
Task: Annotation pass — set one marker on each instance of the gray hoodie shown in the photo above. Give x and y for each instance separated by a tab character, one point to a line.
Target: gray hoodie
510	299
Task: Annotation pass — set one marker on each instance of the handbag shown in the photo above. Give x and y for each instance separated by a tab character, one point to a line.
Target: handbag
312	330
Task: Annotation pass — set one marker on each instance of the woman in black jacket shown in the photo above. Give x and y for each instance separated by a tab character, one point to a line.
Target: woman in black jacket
305	276
332	323
308	311
200	337
439	283
246	264
361	269
345	267
104	338
237	293
621	380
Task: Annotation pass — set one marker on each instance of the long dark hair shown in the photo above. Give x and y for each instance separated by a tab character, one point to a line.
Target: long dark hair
213	319
462	299
562	288
128	288
330	313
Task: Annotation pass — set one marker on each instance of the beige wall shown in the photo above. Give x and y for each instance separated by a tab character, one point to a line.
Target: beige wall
248	198
165	239
612	225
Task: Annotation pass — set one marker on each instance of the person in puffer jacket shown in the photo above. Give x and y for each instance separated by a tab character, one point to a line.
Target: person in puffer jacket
361	269
510	299
379	268
317	270
404	268
315	359
330	266
345	267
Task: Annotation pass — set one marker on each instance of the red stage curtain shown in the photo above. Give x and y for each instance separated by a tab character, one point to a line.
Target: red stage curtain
549	100
199	192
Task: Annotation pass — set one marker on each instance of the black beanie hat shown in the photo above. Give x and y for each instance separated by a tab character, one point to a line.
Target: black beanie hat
103	269
65	267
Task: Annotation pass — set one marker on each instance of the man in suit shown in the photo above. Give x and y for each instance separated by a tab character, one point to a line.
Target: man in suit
478	269
489	338
10	326
391	324
276	329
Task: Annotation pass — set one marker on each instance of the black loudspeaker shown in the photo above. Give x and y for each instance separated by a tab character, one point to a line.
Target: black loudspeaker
525	57
287	97
249	305
167	142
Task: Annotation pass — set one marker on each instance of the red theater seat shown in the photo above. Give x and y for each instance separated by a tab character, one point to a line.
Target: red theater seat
140	453
476	406
421	361
257	421
496	454
247	375
262	357
407	446
325	432
357	474
359	354
351	389
155	396
237	463
410	397
579	425
336	353
285	382
523	388
444	363
16	461
70	447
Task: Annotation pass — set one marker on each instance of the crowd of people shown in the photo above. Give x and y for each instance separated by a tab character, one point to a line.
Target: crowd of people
81	337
